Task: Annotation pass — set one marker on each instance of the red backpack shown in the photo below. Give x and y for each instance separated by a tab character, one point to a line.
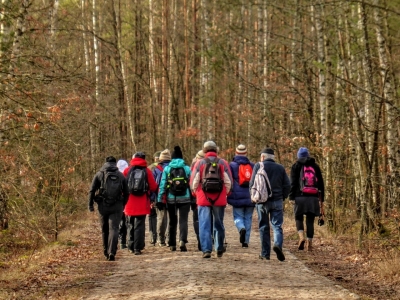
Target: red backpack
245	172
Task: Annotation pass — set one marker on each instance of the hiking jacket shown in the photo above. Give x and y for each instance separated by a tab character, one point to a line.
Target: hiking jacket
295	178
279	180
140	205
96	184
157	173
240	196
196	179
162	189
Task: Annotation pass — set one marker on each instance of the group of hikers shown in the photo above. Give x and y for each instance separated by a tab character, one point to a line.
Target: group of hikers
168	189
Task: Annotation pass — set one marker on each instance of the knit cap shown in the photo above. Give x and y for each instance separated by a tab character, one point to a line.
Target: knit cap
177	153
268	151
139	155
303	152
122	165
241	150
165	155
210	146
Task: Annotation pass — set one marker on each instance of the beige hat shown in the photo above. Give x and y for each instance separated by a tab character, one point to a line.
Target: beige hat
200	154
209	145
165	155
241	150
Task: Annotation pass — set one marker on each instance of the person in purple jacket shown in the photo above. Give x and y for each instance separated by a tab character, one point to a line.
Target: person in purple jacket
241	169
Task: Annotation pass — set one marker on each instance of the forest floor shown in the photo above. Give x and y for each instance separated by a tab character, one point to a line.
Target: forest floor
75	268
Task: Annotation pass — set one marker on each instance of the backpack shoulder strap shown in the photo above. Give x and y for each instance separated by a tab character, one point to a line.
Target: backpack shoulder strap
102	181
160	167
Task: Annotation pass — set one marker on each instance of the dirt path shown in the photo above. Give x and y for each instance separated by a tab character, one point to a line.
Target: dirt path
239	274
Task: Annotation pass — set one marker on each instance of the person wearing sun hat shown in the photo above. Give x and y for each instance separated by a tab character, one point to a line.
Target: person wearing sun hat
161	208
270	213
310	205
241	169
178	204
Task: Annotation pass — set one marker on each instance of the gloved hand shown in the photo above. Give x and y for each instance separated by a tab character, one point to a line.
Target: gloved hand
91	208
193	206
160	205
292	202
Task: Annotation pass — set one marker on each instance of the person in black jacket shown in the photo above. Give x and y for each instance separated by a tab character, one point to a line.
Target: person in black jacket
310	205
110	210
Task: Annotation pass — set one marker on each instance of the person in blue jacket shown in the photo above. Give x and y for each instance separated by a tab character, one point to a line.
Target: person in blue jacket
240	197
178	203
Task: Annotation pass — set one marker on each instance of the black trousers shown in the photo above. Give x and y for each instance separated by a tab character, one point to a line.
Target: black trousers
122	230
309	224
136	232
153	226
109	222
181	209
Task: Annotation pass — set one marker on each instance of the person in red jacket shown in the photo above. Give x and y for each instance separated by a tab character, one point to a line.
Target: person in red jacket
137	206
211	204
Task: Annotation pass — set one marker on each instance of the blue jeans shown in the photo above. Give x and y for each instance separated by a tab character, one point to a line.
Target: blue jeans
243	216
205	231
265	211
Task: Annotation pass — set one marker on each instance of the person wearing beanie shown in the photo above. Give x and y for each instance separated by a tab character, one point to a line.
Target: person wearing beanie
211	206
243	208
174	185
161	208
271	211
306	201
303	152
110	203
138	206
241	150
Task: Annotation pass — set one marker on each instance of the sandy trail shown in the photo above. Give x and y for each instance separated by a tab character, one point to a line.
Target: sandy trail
161	274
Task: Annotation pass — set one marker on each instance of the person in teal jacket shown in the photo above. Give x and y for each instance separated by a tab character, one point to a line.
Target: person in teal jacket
175	183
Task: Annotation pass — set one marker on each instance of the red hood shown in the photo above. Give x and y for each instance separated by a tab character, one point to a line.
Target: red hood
208	154
138	162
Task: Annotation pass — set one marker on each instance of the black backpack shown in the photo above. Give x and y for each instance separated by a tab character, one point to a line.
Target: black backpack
211	178
178	182
137	181
111	187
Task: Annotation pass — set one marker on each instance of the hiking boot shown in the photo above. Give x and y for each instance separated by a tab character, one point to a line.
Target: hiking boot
163	244
182	246
245	245
263	257
302	241
220	253
122	246
242	235
106	254
172	248
279	253
111	257
138	252
309	245
207	255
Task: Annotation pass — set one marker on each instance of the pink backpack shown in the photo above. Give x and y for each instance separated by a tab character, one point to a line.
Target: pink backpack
308	181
